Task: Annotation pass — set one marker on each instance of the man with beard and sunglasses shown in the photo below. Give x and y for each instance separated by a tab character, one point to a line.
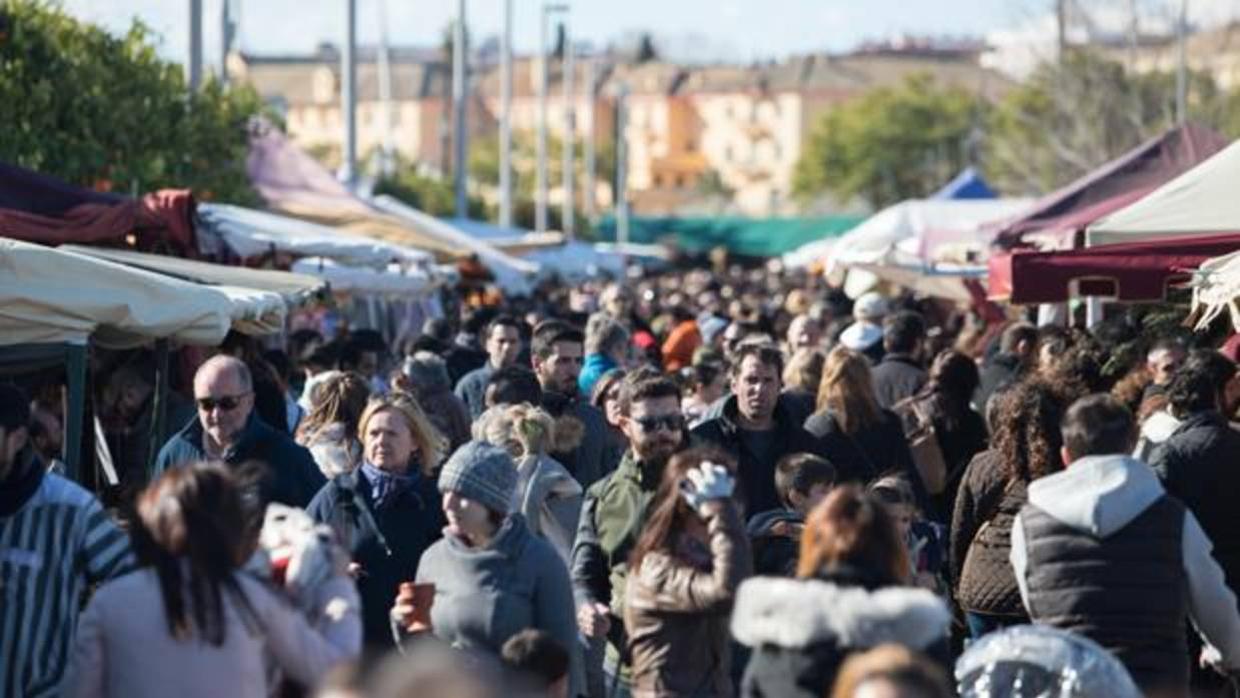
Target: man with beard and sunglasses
226	429
613	513
755	427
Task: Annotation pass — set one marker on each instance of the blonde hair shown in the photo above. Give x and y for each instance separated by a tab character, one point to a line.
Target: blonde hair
339	399
847	389
432	446
909	671
521	429
804	370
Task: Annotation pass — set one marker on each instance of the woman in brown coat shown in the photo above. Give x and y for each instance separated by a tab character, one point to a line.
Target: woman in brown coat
684	572
1026	445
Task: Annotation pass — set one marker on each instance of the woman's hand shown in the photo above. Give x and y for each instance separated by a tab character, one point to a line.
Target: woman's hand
594	619
707	487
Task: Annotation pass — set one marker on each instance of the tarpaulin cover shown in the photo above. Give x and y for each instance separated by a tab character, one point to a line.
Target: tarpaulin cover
38	208
363	280
753	237
1138	271
1203	200
1150	164
969	184
51	295
249	233
292	182
1063	233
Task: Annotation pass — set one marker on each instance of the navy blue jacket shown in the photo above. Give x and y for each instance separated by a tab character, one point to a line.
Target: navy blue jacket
292	477
386	542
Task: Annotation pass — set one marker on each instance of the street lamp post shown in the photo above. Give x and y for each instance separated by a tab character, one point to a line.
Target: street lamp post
505	123
622	166
460	137
193	67
588	156
569	136
540	202
348	95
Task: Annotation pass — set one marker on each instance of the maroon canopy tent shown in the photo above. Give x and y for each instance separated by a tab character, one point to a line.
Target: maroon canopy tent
1137	271
41	209
1149	165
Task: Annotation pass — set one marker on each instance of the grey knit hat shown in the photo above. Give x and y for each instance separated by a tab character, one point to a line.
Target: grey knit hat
481	473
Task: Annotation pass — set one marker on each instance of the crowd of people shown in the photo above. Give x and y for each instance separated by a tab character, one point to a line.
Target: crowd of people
736	482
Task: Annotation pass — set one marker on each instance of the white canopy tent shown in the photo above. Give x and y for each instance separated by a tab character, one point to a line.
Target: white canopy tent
59	296
1201	201
576	261
512	274
809	253
346	279
250	233
924	244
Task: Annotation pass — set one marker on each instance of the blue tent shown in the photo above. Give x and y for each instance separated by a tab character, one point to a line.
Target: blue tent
969	184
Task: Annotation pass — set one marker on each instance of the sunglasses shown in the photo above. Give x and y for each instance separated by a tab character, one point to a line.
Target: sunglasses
226	403
671	422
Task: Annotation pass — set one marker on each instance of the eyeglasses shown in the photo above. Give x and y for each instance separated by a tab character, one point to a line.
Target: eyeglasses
226	403
671	422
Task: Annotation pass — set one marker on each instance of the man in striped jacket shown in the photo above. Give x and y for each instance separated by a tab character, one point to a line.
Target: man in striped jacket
55	541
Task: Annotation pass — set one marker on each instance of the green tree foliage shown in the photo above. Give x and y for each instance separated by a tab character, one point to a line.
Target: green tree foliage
1078	113
425	192
890	144
107	112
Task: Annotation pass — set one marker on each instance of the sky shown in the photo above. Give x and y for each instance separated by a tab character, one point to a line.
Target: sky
740	30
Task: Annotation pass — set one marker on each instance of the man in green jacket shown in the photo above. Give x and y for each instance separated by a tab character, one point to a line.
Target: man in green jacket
612	515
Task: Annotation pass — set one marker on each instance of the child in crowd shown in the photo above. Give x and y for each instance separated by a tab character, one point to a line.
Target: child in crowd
539	661
802	481
926	540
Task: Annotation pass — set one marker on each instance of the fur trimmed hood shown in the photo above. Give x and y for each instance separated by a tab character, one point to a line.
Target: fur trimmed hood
792	614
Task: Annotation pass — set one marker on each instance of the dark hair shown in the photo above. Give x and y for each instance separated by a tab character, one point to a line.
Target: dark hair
853	528
669	510
324	356
513	385
1098	425
14	407
191	514
613	378
550	333
1196	385
767	354
953	378
1026	434
533	653
1075	373
1054	338
637	388
902	331
503	321
1016	333
700	374
799	472
368	340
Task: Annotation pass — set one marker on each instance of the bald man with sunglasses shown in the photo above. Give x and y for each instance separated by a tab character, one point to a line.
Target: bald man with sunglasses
227	429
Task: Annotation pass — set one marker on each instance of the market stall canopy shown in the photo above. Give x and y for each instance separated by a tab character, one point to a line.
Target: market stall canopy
969	184
248	233
1201	201
395	280
751	237
911	239
38	208
514	241
292	182
511	273
50	295
1065	232
295	289
1137	271
1150	164
810	255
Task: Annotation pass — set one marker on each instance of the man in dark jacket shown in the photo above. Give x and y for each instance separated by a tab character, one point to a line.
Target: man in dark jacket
556	353
227	430
754	428
1017	354
900	373
614	511
503	345
1200	462
1102	550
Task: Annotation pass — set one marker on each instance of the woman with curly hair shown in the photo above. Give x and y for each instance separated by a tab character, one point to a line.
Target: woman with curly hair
1025	446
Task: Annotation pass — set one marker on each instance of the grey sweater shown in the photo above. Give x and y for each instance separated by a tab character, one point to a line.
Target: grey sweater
483	596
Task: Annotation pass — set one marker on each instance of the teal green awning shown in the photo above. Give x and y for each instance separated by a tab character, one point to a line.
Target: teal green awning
753	237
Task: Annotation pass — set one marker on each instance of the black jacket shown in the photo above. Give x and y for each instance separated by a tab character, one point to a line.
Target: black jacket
802	630
387	543
757	475
1200	465
775	538
870	453
898	376
997	373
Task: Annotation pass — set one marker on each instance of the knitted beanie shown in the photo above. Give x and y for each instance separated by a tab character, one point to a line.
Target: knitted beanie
482	473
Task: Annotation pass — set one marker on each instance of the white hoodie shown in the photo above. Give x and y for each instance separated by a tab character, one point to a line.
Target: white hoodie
1099	495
